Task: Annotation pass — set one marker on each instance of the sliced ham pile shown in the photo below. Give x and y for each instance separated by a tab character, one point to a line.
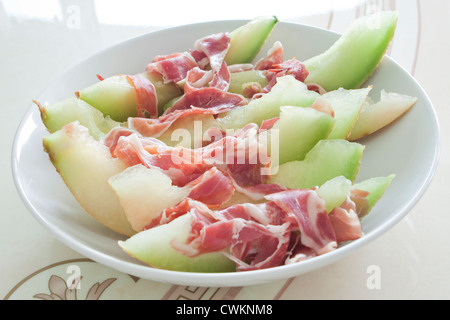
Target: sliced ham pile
206	78
280	225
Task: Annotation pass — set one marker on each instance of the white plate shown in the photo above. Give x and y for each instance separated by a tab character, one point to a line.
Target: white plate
409	148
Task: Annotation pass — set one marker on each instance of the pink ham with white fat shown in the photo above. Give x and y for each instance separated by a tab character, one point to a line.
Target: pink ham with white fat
308	213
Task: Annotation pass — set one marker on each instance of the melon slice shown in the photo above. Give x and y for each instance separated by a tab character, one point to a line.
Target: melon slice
355	55
377	115
376	187
155	247
347	105
298	131
334	192
286	92
57	115
247	40
328	159
144	192
85	165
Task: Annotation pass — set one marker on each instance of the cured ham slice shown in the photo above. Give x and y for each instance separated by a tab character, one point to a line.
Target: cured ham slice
274	56
213	99
173	67
308	213
345	222
252	245
346	219
182	167
291	67
147	100
268	124
241	156
213	188
215	48
156	127
292	225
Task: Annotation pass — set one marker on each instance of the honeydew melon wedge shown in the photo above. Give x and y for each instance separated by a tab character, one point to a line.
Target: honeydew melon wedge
239	80
328	159
57	115
286	92
376	187
144	192
298	131
334	192
85	166
247	40
377	115
355	55
347	105
154	247
116	97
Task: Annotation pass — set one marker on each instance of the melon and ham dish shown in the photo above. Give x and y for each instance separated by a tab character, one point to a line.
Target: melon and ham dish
222	158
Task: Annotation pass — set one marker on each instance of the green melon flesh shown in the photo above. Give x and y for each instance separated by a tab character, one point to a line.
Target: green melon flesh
355	55
240	80
57	115
377	115
347	105
286	92
154	247
334	192
376	187
85	165
247	40
328	159
298	131
116	97
144	192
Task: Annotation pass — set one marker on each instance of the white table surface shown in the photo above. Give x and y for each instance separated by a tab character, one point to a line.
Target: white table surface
39	40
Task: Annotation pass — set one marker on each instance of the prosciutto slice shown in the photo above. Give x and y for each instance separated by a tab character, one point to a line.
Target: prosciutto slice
173	67
345	222
252	245
346	219
292	67
156	127
274	56
213	188
182	167
291	226
307	212
147	100
241	156
213	99
215	47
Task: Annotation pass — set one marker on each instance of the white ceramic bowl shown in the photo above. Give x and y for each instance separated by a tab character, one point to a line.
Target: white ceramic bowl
409	148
